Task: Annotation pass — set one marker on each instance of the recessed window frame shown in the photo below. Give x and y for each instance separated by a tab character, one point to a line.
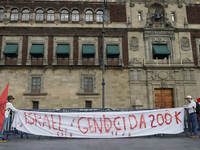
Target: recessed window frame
161	56
25	15
35	104
140	15
50	15
64	15
89	17
39	15
1	14
14	15
99	16
82	88
88	104
36	81
28	90
173	16
88	84
114	41
75	15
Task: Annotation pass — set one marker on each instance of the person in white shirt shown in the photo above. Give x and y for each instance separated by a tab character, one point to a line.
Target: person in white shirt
9	107
191	107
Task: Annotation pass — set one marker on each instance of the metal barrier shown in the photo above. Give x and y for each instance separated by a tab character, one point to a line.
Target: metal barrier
85	110
9	130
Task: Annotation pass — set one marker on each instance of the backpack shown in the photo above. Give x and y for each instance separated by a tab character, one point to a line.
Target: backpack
197	107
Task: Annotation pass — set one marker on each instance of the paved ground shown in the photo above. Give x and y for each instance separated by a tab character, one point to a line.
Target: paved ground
167	142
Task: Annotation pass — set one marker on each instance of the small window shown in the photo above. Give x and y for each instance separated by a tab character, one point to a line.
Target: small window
35	104
140	16
36	85
173	16
99	16
25	15
89	15
50	15
1	14
75	15
39	15
88	84
88	104
14	15
64	15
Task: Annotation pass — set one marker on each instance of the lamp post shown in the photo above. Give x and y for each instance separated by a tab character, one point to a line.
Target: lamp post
105	17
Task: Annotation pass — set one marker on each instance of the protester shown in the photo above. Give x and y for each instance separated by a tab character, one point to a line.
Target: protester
191	107
9	107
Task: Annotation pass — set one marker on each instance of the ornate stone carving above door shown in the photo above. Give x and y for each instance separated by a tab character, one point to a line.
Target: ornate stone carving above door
163	75
185	44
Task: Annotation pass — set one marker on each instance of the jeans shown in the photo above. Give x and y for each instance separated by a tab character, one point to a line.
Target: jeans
189	122
193	118
3	128
199	121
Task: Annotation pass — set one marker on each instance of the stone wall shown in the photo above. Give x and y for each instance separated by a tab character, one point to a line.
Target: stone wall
61	88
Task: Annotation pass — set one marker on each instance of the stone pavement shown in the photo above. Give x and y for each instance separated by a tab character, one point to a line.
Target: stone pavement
167	142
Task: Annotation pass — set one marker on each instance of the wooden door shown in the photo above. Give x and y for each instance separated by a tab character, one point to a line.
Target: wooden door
164	98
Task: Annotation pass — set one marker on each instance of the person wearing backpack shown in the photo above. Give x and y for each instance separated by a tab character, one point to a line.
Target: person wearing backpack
9	107
191	107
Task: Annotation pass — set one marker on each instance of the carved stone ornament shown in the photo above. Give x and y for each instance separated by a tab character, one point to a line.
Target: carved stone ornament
134	44
187	60
134	61
163	75
158	33
185	44
180	5
153	76
163	84
132	4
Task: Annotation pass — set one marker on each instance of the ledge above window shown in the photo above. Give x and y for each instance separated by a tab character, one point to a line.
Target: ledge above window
88	93
35	94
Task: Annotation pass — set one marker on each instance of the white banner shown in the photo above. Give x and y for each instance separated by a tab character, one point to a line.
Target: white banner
101	124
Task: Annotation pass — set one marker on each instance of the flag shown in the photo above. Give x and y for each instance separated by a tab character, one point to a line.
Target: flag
3	99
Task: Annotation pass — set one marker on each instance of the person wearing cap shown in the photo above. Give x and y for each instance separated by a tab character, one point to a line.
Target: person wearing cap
9	107
191	107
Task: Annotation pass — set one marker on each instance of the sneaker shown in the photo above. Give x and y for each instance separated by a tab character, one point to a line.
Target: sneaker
3	140
194	136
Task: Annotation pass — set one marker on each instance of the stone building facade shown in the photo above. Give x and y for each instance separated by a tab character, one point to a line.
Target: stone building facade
164	77
51	53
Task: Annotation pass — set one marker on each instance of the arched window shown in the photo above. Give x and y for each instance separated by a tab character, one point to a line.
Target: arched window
64	15
89	15
99	16
39	15
25	15
14	14
50	15
75	15
1	14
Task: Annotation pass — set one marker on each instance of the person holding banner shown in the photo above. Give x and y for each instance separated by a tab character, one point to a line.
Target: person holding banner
9	107
191	107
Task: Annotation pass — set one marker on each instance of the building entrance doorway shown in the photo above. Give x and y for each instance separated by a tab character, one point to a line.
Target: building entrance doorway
164	98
